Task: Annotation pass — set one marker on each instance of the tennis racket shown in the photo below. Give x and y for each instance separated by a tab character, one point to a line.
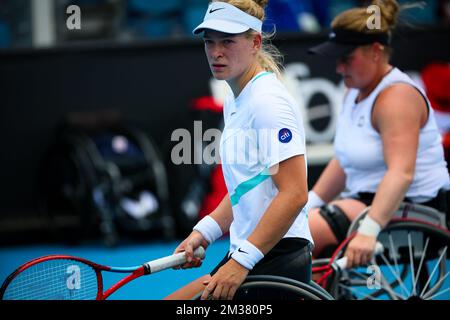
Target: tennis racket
328	269
62	277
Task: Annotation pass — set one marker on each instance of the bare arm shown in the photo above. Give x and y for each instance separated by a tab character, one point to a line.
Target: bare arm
331	182
398	115
284	208
275	222
223	214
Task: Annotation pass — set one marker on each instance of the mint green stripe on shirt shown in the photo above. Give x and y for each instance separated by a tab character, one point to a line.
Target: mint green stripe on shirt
248	185
261	75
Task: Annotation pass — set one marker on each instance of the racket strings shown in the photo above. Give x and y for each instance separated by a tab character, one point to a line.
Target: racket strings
59	279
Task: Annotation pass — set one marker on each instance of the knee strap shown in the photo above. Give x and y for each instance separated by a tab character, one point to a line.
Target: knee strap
336	219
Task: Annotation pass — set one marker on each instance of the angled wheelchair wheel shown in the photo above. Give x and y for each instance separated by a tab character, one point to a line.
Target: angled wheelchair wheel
411	211
414	265
265	287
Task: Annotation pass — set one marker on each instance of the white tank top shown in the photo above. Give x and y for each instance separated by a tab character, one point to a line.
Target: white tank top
358	147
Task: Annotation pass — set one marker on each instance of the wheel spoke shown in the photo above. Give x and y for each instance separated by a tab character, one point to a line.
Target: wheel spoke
411	263
358	283
438	294
391	243
421	261
395	274
358	274
438	284
362	281
434	270
394	255
426	247
388	288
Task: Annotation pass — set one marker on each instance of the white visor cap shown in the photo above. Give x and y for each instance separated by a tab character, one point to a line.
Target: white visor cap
224	17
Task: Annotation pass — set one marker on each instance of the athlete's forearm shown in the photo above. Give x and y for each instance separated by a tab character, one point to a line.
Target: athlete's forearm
331	182
389	195
278	218
223	214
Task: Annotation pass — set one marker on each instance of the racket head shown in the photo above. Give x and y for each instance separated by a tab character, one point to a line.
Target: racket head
55	277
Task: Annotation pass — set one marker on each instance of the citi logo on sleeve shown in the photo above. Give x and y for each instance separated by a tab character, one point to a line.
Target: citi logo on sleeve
285	135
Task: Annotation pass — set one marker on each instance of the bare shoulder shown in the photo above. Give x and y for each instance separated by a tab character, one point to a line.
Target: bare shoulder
400	99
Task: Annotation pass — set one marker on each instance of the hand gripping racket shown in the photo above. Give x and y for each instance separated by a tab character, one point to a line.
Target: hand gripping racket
327	270
342	262
60	277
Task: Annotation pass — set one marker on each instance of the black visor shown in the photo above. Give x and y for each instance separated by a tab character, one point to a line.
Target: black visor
342	42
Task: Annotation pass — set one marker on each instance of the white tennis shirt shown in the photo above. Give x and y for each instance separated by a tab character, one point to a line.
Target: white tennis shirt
359	148
263	127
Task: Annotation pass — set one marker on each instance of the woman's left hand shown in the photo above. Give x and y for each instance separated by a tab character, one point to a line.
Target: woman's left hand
224	283
360	250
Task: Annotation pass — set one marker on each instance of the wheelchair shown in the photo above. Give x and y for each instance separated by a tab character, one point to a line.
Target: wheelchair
413	264
268	287
106	177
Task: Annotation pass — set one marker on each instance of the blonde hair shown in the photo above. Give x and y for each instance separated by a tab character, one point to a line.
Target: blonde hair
356	19
268	56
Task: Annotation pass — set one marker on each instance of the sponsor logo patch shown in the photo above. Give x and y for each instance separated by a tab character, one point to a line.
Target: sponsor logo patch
285	135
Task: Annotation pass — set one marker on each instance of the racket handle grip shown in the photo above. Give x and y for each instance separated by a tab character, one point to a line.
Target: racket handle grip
174	260
342	263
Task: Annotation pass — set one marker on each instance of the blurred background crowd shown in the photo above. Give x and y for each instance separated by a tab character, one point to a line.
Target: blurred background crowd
87	115
136	20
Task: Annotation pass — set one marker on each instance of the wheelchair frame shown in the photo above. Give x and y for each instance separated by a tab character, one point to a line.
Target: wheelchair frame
268	287
409	219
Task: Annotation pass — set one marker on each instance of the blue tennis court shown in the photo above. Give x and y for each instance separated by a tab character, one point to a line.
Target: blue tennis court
152	287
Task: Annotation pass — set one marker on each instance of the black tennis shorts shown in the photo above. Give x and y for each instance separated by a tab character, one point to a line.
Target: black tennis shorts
290	258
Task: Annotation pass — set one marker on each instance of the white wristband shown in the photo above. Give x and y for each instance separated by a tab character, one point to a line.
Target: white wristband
209	229
369	227
314	201
247	255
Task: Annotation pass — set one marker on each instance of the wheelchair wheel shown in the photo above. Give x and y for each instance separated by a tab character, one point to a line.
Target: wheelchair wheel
265	287
414	265
110	180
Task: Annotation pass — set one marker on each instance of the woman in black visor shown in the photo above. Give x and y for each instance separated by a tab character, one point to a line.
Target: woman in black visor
387	145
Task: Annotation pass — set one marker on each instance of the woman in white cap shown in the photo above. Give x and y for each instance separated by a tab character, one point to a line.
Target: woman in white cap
387	146
262	152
